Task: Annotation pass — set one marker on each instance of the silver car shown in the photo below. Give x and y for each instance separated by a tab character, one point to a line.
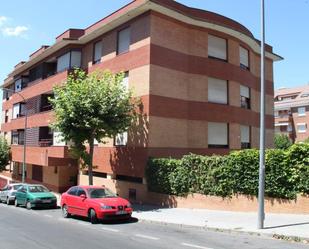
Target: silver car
7	194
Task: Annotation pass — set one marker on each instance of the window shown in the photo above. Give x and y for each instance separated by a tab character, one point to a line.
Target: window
18	84
80	192
301	127
217	47
245	137
14	137
73	191
97	52
304	95
244	58
245	97
121	139
6	116
123	41
217	91
276	114
125	81
301	111
69	60
217	135
18	137
18	110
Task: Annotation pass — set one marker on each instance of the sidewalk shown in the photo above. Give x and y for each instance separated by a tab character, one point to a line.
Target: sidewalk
279	224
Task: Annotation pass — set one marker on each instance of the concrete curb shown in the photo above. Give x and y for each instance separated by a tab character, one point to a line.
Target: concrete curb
277	236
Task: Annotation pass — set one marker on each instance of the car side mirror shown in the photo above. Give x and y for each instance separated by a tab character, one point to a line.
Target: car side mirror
83	196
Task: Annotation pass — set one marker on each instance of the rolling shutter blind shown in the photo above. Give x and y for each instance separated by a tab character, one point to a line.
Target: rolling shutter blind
217	133
217	47
244	56
63	62
245	134
244	91
76	57
97	51
217	91
123	40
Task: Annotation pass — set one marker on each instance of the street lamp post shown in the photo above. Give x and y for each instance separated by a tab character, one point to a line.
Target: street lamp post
25	133
261	212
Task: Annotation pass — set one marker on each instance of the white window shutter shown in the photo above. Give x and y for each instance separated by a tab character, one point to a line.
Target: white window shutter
76	59
63	62
245	134
217	91
124	40
244	91
217	47
217	133
97	51
16	109
244	56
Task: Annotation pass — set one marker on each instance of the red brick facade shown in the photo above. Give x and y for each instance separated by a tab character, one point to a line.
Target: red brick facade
169	69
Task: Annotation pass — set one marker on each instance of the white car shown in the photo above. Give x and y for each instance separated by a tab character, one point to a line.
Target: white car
7	194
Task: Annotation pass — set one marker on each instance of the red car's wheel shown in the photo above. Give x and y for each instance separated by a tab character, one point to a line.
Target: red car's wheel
65	212
93	216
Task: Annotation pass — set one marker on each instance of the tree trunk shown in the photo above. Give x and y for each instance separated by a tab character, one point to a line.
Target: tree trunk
91	147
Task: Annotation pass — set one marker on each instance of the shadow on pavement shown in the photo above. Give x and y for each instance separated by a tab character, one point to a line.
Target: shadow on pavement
288	225
145	207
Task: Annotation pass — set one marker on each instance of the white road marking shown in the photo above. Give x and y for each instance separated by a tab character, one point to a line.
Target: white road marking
195	246
110	229
146	237
47	215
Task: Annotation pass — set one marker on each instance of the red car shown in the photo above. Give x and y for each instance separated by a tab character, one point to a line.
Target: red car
97	203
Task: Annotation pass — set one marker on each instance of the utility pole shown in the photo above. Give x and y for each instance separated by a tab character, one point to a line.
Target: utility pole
261	212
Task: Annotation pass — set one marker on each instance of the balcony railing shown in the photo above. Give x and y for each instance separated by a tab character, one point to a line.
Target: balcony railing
45	142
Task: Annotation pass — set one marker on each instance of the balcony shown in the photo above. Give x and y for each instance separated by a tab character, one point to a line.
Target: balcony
44	156
36	88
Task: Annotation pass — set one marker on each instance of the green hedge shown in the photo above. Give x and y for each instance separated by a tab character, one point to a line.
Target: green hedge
287	173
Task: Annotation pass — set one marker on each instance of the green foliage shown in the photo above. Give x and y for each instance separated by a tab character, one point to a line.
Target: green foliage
279	175
287	173
298	160
282	141
4	153
92	106
158	173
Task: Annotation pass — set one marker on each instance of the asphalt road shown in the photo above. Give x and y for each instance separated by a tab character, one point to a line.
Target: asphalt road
46	229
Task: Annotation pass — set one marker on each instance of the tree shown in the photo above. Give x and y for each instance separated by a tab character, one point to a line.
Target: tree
4	153
282	141
92	106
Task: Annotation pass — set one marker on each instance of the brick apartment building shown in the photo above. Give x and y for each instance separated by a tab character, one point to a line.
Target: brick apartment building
292	112
196	72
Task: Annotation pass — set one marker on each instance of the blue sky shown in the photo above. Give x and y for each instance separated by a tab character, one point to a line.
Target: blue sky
34	23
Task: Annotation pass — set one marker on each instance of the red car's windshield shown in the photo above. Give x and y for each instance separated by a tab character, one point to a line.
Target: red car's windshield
100	193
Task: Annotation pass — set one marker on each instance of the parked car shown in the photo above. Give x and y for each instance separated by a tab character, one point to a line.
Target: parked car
34	195
7	194
96	203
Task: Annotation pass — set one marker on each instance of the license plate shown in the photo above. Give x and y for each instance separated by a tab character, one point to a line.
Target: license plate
121	212
46	201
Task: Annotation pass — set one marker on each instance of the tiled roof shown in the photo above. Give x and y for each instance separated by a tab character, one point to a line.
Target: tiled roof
300	100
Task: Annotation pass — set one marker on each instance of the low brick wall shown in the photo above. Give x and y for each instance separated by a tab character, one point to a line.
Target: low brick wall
238	203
